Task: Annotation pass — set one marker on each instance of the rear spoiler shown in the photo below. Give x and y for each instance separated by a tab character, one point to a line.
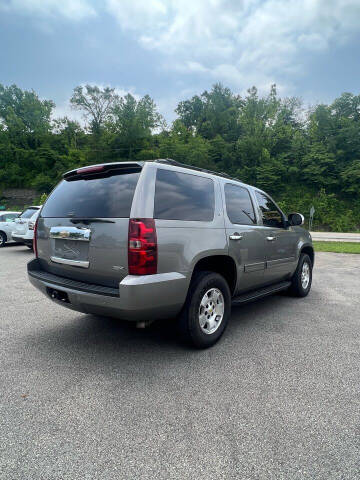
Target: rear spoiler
103	170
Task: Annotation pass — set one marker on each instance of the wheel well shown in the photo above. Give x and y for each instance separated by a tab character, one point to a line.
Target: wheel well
222	264
4	234
310	252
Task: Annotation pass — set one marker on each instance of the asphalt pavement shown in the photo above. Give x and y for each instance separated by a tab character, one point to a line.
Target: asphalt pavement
86	397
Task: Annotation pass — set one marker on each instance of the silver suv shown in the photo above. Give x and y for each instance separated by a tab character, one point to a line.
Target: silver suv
158	239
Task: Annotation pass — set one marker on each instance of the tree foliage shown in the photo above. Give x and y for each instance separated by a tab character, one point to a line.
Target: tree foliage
301	157
96	103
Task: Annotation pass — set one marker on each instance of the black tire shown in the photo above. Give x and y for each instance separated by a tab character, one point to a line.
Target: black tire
29	246
188	320
3	239
297	288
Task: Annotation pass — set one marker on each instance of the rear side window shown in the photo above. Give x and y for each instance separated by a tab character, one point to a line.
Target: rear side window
109	197
182	196
239	206
29	212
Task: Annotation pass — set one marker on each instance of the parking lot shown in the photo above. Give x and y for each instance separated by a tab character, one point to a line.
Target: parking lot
85	397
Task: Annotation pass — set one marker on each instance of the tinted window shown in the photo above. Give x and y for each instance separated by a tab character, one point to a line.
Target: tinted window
271	215
239	207
29	212
182	196
108	197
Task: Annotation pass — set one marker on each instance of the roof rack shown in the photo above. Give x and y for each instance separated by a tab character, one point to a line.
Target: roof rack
170	161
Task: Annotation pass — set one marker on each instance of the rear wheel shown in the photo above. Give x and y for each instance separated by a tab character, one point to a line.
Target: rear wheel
206	312
2	239
302	278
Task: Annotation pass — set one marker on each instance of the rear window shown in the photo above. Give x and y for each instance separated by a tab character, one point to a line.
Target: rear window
109	197
182	196
28	213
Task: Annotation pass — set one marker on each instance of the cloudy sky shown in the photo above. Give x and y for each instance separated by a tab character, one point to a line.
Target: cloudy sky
173	49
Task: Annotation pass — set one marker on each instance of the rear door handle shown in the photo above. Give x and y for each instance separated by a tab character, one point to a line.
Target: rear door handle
270	239
235	236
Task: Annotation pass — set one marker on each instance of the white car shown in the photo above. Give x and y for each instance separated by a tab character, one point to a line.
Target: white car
24	225
6	226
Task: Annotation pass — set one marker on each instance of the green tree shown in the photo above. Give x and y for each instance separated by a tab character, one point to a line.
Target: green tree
25	117
133	122
212	113
96	103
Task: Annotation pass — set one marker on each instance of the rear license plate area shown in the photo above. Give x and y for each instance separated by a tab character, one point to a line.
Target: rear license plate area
71	249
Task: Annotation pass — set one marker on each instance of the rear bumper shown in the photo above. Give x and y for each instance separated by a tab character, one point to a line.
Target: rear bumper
27	239
138	298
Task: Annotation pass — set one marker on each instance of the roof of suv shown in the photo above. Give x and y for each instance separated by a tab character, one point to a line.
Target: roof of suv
138	164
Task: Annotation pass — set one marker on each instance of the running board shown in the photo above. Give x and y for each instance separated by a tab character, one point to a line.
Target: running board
262	292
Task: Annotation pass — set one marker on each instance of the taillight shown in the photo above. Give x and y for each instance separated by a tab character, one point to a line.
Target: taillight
35	238
142	246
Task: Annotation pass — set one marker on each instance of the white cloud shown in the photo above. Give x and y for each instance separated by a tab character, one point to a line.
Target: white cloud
68	9
237	41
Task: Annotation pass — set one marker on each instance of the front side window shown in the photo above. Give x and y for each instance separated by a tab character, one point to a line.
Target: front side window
239	207
183	196
271	215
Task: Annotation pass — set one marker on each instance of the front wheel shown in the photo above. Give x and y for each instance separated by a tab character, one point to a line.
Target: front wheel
302	278
206	312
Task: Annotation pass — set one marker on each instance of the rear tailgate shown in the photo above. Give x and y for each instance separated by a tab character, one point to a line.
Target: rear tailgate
83	227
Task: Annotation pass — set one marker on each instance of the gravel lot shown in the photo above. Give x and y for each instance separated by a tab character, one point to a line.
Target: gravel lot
85	397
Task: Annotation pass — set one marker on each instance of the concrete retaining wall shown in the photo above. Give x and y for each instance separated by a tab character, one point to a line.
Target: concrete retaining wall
17	197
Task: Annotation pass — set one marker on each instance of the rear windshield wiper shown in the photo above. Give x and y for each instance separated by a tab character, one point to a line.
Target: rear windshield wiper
90	220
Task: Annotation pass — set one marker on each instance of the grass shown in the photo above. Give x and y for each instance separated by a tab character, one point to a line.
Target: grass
337	247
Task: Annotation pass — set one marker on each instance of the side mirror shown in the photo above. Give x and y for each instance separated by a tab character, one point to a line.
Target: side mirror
295	219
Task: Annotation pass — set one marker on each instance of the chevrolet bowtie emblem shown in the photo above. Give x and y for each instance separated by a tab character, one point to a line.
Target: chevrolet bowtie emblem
64	234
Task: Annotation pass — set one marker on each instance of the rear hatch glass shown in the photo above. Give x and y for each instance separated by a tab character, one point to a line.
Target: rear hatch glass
109	197
83	229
